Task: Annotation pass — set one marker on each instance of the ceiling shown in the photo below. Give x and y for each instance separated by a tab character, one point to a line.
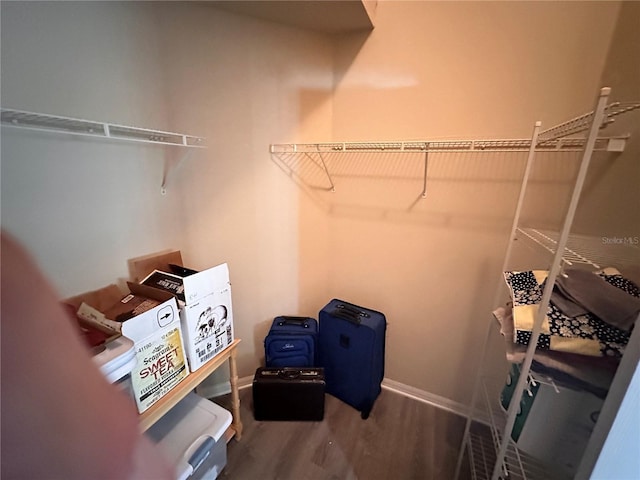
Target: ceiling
327	16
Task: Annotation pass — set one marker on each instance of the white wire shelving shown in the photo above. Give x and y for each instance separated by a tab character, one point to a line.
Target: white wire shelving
400	146
309	162
293	157
42	122
90	128
597	252
583	122
555	138
483	443
506	460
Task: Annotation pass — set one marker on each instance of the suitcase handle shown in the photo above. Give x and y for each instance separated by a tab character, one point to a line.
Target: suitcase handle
289	374
353	310
347	315
300	321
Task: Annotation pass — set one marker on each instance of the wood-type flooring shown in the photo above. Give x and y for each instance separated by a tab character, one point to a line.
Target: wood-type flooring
402	439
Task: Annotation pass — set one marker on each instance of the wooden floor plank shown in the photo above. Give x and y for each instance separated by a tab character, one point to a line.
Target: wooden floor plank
402	439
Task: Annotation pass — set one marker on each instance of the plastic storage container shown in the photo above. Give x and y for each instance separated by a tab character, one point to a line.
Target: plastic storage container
191	435
553	424
116	359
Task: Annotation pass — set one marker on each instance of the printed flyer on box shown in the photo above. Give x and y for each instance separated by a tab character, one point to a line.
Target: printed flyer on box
161	366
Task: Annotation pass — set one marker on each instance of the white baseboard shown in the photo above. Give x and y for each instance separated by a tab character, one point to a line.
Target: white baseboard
425	397
224	388
432	399
213	391
245	382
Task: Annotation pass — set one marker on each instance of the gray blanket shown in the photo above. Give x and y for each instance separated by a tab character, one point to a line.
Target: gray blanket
580	291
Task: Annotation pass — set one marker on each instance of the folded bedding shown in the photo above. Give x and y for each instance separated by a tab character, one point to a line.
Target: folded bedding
583	333
582	372
579	292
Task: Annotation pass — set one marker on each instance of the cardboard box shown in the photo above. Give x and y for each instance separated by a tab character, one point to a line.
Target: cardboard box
150	318
206	314
140	267
174	284
208	323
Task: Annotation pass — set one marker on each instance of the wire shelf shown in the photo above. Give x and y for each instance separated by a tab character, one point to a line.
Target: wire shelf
515	145
76	126
581	124
482	458
484	442
586	250
482	454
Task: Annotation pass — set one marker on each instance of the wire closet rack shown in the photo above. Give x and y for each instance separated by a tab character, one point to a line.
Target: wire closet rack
497	456
306	161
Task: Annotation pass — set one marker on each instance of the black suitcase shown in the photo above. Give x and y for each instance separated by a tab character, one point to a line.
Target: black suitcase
351	345
288	394
291	342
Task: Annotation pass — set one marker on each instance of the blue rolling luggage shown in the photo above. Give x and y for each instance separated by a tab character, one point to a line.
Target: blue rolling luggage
351	350
291	342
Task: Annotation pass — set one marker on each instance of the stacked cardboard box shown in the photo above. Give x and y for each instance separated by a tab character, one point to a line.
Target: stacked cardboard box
204	298
178	319
150	318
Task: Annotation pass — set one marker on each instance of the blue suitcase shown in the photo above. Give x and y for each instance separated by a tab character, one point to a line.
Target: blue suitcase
291	342
351	345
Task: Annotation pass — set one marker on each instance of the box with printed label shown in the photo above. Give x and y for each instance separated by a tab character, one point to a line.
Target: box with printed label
207	326
151	319
206	314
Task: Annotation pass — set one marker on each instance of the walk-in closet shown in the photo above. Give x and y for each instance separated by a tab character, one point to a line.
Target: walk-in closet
458	166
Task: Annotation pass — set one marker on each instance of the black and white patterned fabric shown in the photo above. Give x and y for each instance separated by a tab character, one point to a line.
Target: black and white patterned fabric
584	334
616	279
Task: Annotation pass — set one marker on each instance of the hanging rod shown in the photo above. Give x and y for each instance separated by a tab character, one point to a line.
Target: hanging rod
76	126
603	143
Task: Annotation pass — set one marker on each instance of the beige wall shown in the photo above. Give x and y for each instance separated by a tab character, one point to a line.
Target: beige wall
609	206
433	70
479	69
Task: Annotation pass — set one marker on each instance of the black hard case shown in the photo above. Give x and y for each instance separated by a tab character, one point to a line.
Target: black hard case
288	394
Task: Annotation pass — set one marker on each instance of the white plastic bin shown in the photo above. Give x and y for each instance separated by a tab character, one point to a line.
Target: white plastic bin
116	359
191	435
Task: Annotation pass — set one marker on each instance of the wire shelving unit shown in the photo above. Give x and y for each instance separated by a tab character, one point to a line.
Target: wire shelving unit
497	456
